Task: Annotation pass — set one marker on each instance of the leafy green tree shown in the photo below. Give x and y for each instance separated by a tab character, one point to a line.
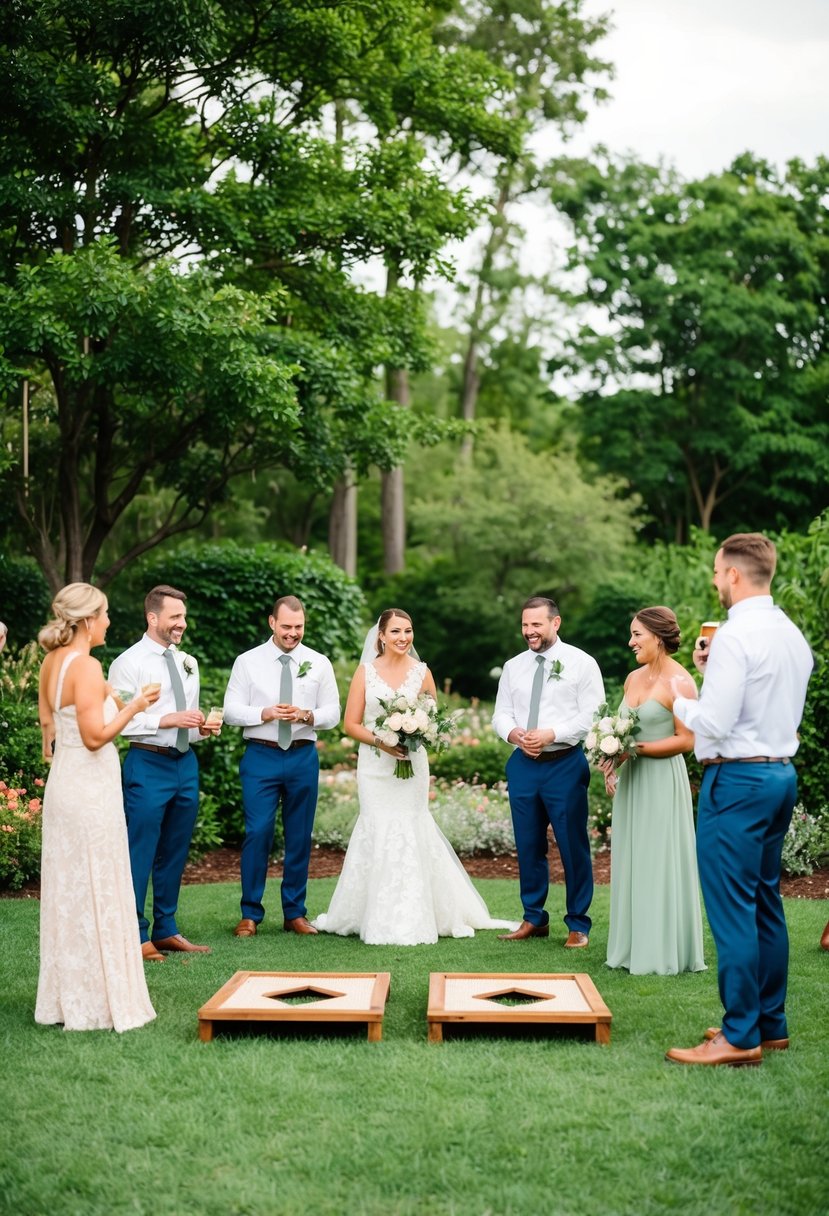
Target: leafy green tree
548	50
133	133
708	390
488	533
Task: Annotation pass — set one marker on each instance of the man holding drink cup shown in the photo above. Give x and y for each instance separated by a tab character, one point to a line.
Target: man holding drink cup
160	774
745	725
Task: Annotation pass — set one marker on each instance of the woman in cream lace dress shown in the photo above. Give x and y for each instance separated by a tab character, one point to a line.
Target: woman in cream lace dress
91	969
401	883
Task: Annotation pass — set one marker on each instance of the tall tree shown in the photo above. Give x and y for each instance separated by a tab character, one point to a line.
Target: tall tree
133	133
708	389
548	49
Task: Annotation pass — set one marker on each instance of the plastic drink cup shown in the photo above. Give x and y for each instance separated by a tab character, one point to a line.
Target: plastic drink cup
707	630
215	717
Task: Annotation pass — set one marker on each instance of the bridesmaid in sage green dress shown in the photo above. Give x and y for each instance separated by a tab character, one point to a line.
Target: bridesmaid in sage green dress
655	916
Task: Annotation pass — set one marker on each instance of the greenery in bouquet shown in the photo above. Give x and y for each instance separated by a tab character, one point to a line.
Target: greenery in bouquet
611	735
412	723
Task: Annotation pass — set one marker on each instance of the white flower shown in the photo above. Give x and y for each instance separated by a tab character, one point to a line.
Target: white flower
421	719
389	737
625	725
610	746
495	673
394	721
408	724
605	726
591	740
400	703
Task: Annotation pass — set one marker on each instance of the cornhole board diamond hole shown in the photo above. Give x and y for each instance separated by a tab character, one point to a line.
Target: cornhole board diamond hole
310	997
483	998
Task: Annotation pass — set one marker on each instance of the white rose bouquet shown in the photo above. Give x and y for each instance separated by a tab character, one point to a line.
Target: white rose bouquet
414	723
611	735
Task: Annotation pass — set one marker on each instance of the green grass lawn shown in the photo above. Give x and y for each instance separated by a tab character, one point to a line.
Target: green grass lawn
156	1122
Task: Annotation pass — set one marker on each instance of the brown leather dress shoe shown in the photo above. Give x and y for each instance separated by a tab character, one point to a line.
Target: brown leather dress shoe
576	941
245	928
824	938
299	924
525	929
177	942
765	1044
150	954
714	1052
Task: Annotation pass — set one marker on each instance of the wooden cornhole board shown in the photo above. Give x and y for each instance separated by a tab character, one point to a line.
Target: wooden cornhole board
308	997
473	998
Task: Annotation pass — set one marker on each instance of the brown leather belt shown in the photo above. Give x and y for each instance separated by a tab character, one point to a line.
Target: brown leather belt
551	757
289	748
747	760
172	753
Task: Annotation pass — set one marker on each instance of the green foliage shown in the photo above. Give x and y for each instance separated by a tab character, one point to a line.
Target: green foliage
480	762
709	391
117	127
476	565
20	832
806	845
24	600
230	594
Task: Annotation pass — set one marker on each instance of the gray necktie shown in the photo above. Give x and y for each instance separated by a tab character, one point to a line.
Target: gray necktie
182	734
286	692
535	695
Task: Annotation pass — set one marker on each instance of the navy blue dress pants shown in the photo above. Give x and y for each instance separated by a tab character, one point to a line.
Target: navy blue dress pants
272	777
744	813
161	802
554	793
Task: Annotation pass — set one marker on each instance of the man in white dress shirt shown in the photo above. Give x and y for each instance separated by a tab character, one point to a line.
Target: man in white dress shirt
546	701
160	774
281	692
745	722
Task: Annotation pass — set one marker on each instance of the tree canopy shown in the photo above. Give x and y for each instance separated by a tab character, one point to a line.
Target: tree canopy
708	390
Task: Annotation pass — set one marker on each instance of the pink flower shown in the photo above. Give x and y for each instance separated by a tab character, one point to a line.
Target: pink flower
34	804
6	827
39	781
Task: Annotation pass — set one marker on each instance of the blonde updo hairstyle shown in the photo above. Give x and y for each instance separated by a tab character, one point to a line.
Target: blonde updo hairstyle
72	605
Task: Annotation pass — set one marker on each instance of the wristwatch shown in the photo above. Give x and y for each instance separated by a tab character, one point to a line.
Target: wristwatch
306	717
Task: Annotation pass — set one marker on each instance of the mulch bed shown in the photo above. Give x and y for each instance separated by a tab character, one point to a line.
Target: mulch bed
222	865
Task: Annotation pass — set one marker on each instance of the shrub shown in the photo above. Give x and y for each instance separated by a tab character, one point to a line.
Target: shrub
20	832
230	593
24	599
806	845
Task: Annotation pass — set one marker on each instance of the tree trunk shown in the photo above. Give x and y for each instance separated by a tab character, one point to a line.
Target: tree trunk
392	494
342	524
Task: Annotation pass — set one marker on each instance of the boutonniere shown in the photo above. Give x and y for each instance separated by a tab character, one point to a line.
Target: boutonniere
304	668
187	664
556	668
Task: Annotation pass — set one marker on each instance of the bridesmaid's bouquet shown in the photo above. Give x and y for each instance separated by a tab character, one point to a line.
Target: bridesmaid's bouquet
413	723
611	735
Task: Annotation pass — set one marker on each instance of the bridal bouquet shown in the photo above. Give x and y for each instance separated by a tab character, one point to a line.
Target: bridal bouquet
414	722
611	734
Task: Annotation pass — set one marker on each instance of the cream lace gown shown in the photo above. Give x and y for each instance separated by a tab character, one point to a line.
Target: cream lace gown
401	883
91	969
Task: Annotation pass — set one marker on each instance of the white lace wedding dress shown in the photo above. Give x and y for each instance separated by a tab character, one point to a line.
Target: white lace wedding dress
401	883
91	969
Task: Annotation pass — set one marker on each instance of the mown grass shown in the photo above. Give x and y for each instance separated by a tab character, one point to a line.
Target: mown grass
155	1121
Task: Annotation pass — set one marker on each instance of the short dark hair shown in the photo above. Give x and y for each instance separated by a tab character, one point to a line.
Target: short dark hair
754	553
541	601
290	602
154	599
662	623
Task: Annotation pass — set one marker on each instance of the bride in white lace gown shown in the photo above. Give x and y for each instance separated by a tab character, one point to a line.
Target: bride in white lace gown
91	969
401	883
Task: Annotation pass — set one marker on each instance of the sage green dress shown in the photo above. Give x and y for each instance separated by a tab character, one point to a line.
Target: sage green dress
655	917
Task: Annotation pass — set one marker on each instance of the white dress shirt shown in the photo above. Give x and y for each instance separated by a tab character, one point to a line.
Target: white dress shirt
144	663
568	703
754	688
254	685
